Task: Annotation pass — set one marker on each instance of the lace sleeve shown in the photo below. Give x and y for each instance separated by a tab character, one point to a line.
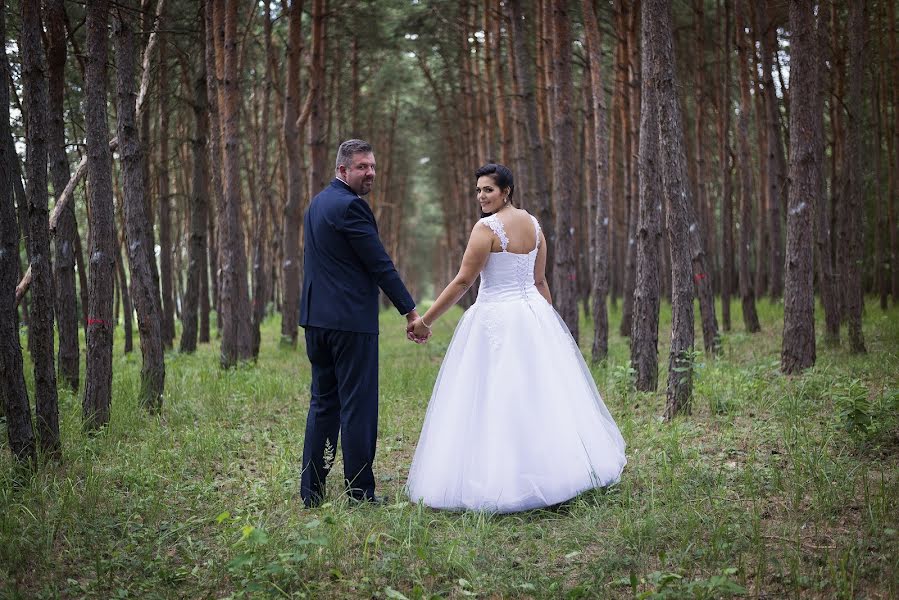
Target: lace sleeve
497	227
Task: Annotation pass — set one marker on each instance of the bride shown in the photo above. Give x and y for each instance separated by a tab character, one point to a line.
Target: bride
515	421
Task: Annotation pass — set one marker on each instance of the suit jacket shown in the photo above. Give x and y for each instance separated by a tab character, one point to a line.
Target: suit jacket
344	264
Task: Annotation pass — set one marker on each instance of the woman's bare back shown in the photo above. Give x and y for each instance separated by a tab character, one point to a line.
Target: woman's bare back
519	228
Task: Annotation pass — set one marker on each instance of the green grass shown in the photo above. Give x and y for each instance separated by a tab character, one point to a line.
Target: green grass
775	487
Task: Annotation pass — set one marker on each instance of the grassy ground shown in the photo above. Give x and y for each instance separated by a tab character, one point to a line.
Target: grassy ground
775	487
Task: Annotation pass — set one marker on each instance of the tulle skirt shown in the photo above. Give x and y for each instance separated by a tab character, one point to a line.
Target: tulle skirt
515	421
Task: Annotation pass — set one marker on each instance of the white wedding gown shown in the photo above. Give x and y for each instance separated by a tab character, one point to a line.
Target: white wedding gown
515	421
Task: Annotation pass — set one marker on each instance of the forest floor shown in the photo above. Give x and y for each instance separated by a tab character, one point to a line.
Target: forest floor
774	487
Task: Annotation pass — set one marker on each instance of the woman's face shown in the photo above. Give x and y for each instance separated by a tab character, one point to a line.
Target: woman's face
490	196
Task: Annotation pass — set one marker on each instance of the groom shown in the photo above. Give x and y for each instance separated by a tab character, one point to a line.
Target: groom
344	264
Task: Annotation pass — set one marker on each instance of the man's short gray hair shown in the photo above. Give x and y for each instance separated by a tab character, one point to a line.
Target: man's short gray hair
348	149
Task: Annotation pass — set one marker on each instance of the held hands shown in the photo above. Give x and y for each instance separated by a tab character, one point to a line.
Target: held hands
416	330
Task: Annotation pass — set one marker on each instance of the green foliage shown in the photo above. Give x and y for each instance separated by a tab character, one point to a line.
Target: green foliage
775	486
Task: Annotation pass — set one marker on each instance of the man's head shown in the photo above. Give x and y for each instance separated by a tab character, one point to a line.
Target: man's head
356	165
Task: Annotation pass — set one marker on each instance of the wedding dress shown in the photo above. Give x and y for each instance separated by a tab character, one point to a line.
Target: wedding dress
515	421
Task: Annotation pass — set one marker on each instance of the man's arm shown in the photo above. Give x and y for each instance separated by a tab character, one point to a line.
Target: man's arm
362	234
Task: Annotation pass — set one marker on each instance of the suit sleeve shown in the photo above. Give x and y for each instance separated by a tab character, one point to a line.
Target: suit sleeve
362	233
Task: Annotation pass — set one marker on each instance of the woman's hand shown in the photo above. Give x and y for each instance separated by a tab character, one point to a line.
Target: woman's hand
418	332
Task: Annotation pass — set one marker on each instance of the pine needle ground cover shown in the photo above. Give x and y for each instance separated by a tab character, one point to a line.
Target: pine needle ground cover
775	487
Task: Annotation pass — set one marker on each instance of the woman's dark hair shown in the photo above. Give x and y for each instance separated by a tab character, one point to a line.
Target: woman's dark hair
501	175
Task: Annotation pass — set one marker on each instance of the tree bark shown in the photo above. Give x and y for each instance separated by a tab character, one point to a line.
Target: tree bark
881	231
747	290
263	198
199	209
672	149
777	181
823	232
215	164
806	176
894	168
235	306
64	256
600	224
645	327
98	375
724	154
35	103
23	273
564	252
126	300
852	226
318	152
521	160
16	409
139	239
536	195
163	199
293	207
630	200
81	265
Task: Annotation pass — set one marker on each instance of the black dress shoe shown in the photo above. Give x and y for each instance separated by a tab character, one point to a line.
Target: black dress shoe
373	500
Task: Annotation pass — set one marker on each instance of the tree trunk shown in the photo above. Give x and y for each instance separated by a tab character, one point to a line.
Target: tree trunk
894	168
564	253
199	209
98	375
126	300
852	226
823	233
145	116
204	268
18	190
535	197
600	224
617	220
806	176
629	201
881	231
163	200
293	207
81	266
318	152
727	213
139	239
234	300
777	182
35	103
521	159
16	409
64	256
747	290
645	329
672	149
263	198
215	164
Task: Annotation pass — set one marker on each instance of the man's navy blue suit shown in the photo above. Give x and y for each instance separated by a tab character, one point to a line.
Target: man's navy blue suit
344	264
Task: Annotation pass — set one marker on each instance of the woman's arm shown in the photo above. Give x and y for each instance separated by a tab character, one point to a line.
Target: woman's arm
476	254
540	271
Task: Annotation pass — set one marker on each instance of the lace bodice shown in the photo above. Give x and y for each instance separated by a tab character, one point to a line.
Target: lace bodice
508	275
